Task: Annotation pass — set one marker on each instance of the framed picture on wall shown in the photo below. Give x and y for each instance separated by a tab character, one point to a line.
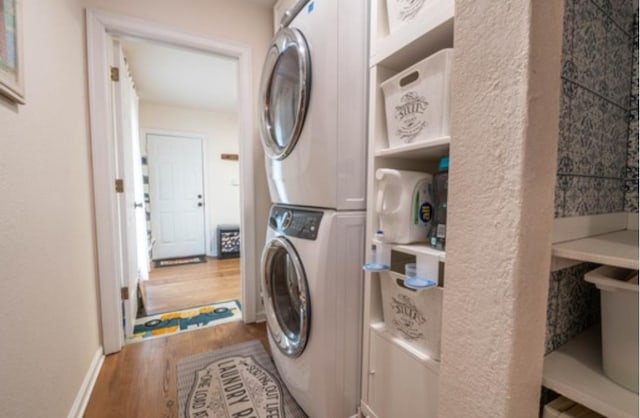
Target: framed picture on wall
11	66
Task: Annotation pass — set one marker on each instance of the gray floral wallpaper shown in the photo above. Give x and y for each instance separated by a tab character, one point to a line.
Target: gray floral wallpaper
631	180
598	143
595	108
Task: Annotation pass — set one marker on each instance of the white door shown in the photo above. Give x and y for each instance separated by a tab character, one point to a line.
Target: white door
177	196
123	97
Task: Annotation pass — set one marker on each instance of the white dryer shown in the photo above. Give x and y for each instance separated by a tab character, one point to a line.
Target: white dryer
312	283
313	103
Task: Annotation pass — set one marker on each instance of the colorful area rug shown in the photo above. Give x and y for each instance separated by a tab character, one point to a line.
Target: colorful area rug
235	381
179	261
190	319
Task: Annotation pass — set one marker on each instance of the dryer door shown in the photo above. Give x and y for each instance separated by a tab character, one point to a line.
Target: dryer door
284	92
286	296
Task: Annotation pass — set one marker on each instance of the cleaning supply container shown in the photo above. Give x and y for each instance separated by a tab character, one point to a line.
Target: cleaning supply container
438	230
404	205
619	311
417	100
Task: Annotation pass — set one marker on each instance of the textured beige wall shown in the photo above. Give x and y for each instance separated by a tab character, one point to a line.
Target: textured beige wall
48	294
505	100
220	130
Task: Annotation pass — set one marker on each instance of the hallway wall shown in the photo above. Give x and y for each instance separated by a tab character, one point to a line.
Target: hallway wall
48	292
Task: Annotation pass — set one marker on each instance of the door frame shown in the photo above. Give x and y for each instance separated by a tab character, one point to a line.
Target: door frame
100	27
205	184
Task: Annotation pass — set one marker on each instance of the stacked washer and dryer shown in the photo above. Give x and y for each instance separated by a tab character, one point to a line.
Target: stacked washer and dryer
312	121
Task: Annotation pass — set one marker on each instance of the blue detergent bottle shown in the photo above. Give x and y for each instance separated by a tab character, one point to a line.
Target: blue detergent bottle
438	230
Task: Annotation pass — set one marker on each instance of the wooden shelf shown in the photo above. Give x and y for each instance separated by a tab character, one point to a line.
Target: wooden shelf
429	149
381	329
417	39
420	249
618	249
575	371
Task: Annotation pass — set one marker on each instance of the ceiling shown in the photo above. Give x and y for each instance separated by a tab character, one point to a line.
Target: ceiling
174	76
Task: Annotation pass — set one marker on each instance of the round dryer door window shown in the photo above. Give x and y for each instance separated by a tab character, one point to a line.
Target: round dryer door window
284	92
286	296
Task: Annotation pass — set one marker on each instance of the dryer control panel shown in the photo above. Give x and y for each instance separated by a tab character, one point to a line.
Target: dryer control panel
295	222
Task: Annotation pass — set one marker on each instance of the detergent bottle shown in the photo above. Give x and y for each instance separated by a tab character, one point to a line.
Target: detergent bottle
404	204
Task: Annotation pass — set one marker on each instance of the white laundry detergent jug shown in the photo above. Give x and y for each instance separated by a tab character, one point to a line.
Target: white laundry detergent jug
404	205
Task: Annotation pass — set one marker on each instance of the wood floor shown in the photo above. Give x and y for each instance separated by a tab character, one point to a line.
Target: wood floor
140	381
177	287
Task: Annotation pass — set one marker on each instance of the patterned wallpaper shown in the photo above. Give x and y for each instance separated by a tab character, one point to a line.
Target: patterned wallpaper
631	181
598	143
597	66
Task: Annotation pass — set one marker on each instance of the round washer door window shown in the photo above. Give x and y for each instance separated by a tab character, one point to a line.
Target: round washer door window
284	93
286	296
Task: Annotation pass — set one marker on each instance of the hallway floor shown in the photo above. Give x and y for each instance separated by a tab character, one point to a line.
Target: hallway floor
140	381
177	287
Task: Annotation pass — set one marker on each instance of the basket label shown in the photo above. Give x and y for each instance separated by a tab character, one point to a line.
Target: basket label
410	116
408	9
407	317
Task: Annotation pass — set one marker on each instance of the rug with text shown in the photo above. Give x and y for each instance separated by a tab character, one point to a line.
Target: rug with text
235	381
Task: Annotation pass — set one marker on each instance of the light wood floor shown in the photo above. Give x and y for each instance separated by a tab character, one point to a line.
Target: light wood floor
140	381
177	287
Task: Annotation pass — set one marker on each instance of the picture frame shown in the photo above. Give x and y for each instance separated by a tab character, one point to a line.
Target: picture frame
11	62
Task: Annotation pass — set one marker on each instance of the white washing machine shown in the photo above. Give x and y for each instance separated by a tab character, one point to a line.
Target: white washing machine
313	103
312	283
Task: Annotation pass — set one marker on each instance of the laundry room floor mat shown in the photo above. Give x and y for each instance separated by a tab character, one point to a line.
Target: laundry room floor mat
179	261
235	381
190	319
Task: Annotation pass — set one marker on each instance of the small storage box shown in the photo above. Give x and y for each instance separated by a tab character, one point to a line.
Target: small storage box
562	407
417	100
619	307
404	11
401	12
413	315
228	241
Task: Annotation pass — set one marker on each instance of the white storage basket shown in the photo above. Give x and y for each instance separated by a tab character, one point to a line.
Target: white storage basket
417	100
413	315
619	311
400	12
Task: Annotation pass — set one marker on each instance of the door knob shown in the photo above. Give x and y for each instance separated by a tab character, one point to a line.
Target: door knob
199	204
199	196
137	205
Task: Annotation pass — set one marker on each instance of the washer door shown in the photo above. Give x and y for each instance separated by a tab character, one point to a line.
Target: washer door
284	92
286	296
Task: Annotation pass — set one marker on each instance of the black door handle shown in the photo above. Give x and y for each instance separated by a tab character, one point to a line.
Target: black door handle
199	204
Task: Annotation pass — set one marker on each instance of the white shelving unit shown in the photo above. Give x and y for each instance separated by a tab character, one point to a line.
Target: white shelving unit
398	379
575	370
618	249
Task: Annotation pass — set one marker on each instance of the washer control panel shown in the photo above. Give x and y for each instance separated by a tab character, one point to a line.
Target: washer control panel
295	222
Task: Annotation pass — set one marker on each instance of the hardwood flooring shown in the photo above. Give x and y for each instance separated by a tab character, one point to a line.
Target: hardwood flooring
177	287
140	381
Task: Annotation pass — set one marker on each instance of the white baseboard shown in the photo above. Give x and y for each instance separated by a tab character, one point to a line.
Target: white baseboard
82	398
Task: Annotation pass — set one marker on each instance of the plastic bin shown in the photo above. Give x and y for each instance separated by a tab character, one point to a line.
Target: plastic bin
417	100
403	11
619	307
562	407
413	315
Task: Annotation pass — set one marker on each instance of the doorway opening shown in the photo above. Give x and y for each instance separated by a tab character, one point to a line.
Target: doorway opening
187	118
119	268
